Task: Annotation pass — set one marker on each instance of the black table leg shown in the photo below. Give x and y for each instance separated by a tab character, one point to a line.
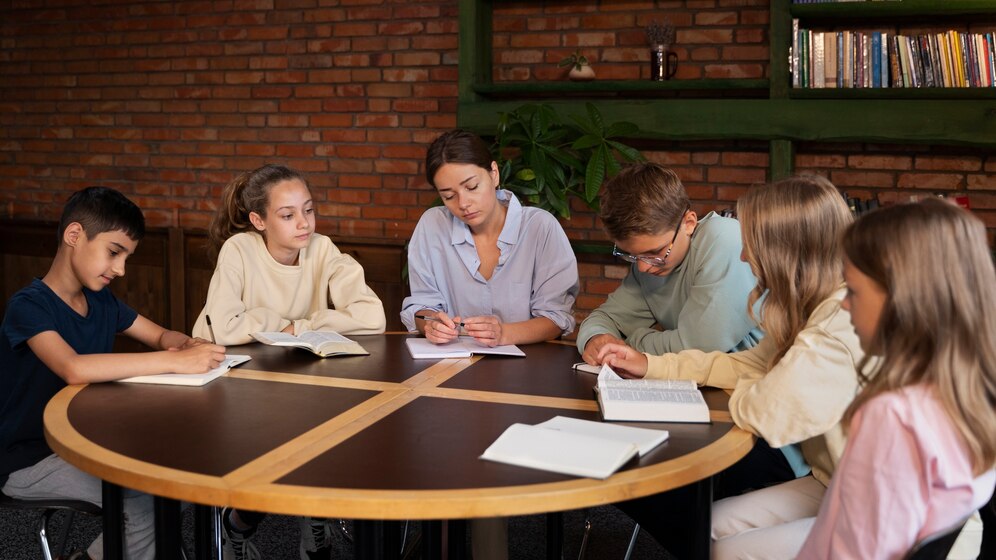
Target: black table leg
555	535
456	539
432	539
702	512
167	529
113	521
207	532
377	539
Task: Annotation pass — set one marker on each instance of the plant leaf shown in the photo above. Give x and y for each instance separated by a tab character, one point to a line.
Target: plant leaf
630	154
622	128
595	173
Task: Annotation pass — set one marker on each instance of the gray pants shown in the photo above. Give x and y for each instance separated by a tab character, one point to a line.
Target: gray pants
53	478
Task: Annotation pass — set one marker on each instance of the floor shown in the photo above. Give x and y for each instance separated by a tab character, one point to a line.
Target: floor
277	538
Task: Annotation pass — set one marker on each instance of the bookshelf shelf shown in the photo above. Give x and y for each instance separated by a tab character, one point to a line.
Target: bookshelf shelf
619	86
893	93
892	9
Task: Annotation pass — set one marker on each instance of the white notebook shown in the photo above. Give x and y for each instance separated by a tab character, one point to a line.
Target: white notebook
191	379
571	446
462	347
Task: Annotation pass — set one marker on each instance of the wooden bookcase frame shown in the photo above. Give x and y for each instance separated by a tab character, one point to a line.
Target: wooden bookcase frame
782	116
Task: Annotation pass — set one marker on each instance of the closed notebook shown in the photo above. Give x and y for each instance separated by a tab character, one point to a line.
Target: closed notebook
573	446
191	379
462	347
561	452
649	400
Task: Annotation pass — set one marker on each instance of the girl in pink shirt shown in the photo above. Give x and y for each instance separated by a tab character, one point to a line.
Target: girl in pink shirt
922	445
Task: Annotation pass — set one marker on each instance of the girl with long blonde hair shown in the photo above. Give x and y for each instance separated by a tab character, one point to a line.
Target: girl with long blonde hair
922	433
794	387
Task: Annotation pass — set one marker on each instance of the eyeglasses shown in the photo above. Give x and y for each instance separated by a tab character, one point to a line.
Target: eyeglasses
653	262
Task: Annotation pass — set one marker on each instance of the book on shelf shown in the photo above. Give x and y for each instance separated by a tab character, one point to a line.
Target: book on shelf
462	347
573	446
879	59
191	379
321	343
649	400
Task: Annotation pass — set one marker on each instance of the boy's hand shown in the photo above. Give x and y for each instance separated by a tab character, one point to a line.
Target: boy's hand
442	331
486	329
198	358
594	346
189	343
624	360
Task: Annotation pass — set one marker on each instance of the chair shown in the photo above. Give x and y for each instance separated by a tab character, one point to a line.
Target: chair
937	545
49	508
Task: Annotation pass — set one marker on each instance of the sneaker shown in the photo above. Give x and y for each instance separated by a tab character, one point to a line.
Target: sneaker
316	538
237	545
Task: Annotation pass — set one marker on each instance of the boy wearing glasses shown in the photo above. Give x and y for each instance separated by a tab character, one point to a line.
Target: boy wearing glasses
686	275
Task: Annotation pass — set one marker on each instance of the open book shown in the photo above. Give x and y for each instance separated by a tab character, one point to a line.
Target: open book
572	446
462	347
322	343
649	400
191	379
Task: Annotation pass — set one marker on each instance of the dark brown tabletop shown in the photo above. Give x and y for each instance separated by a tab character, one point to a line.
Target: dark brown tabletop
383	436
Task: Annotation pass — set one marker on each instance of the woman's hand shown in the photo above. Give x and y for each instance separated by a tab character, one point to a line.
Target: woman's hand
486	330
442	330
624	360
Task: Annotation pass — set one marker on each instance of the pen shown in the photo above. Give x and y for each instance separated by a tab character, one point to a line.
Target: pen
210	329
423	317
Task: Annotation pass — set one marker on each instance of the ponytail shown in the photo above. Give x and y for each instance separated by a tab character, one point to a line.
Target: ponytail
247	193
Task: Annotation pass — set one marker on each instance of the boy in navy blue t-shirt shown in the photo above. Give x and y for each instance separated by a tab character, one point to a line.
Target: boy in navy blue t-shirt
60	330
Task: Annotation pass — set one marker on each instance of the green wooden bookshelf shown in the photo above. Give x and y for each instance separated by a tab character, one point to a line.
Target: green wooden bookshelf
732	109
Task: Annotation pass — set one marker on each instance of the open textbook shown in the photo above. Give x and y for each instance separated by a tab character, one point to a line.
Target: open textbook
649	400
191	379
573	446
322	343
462	347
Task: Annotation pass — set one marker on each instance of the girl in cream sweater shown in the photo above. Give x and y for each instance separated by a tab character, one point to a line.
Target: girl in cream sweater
274	273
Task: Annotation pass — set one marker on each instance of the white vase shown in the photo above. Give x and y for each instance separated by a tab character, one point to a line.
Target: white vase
582	74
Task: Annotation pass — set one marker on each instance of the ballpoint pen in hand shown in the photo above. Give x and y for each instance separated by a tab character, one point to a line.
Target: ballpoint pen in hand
207	318
429	318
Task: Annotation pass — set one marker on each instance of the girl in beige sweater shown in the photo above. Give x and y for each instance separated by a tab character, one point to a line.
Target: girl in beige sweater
274	273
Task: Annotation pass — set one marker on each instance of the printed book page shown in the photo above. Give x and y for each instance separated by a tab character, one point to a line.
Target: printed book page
323	343
650	400
462	347
191	379
558	451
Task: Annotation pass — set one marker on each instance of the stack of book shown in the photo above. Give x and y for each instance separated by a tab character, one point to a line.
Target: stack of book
878	59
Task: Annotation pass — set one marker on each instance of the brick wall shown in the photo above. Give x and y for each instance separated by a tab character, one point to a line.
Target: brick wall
168	100
715	38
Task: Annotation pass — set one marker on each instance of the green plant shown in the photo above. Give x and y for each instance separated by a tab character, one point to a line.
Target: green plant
546	159
575	59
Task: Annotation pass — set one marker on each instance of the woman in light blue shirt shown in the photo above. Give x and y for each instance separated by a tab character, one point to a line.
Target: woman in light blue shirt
506	272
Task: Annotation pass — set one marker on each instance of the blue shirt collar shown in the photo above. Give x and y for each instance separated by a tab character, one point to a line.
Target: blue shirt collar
460	232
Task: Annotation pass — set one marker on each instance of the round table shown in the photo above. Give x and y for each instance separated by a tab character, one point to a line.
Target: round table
378	437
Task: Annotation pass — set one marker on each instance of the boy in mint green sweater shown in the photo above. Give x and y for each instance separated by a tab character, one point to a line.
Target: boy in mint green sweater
686	275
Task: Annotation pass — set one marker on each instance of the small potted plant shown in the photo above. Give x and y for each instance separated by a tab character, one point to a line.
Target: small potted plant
581	71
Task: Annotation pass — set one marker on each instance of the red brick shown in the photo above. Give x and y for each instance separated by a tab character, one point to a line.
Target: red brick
980	182
863	179
948	163
933	181
880	162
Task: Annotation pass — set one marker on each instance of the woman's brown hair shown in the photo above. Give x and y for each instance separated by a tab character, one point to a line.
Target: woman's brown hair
456	146
791	234
249	192
938	323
